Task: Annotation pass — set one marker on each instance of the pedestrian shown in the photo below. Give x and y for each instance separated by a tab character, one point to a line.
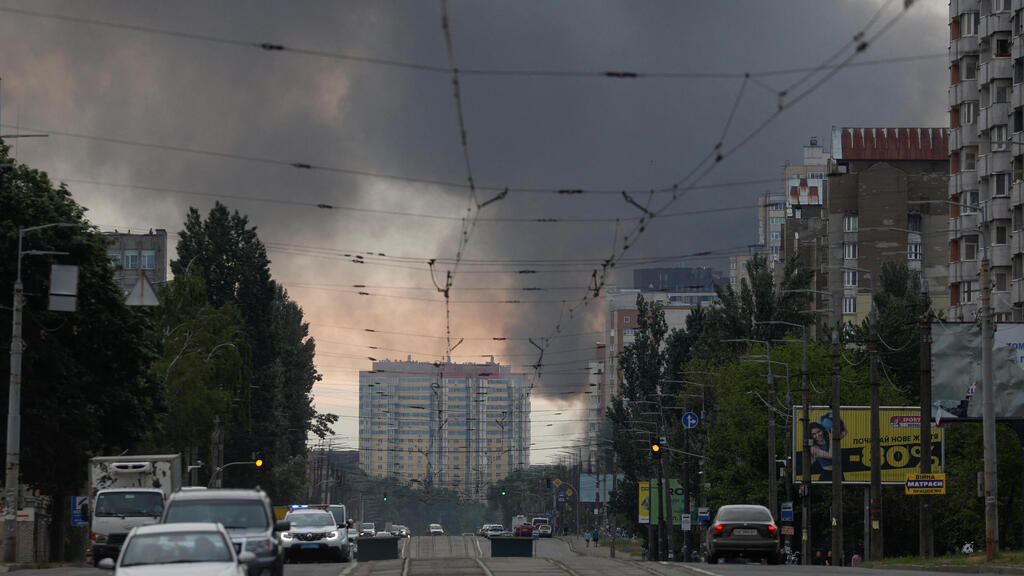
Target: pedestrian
586	536
596	536
828	559
818	559
855	560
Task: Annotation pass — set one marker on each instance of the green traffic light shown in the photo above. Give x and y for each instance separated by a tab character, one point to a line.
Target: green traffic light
502	492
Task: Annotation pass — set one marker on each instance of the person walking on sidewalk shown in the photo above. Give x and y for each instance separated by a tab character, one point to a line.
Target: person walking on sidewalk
596	536
586	537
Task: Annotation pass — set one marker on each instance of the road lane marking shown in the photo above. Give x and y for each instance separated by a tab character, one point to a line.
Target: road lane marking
405	567
487	571
352	566
562	566
479	552
643	565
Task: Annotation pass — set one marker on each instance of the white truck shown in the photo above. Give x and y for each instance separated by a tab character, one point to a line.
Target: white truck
125	492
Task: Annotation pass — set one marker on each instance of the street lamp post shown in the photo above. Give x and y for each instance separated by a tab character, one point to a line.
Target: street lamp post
14	398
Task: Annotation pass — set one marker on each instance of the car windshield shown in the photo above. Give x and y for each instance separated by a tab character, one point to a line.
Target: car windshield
234	514
318	519
175	547
744	514
130	504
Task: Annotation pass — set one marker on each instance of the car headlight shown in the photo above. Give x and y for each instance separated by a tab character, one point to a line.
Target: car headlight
258	546
332	535
286	535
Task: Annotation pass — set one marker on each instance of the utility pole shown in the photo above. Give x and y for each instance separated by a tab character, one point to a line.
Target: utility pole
837	455
773	496
805	516
927	536
686	494
988	412
877	545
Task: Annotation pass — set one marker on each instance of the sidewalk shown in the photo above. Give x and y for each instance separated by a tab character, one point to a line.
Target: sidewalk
578	545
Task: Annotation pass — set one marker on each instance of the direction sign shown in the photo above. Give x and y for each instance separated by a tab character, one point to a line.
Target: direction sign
787	511
690	420
78	515
919	484
703	514
561	496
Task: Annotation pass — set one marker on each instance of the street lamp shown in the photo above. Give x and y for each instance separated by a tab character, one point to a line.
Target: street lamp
14	395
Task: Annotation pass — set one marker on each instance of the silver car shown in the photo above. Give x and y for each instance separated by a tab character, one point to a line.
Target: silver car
314	532
193	548
743	530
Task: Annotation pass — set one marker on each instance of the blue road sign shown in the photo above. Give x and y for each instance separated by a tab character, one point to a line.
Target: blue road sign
690	420
77	516
703	514
561	496
787	511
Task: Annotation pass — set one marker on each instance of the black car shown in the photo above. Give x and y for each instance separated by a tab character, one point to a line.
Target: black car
743	531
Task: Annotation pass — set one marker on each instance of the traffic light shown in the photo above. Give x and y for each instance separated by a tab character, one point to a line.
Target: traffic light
385	496
259	462
503	492
655	449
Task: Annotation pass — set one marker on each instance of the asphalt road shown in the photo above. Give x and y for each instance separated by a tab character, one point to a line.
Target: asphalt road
470	556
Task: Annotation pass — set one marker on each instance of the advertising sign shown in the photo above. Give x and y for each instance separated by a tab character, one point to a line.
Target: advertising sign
919	484
644	499
78	516
956	370
900	442
677	500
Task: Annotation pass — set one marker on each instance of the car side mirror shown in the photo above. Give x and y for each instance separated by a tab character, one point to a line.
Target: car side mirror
246	557
282	526
106	564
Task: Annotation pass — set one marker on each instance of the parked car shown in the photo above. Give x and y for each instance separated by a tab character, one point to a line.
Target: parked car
494	530
314	532
245	514
194	548
435	530
742	530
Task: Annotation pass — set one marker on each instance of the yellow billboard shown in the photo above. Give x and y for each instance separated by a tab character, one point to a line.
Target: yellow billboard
899	441
644	513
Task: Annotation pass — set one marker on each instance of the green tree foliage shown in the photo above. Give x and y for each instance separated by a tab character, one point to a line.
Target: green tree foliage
86	388
275	417
203	364
759	299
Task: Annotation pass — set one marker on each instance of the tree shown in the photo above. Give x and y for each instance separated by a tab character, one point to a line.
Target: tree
86	388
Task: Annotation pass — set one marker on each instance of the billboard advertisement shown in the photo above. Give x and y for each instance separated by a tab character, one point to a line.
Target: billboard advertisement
899	439
644	502
676	496
956	370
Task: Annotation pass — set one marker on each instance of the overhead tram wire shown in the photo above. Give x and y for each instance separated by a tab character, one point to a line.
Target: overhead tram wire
719	153
610	74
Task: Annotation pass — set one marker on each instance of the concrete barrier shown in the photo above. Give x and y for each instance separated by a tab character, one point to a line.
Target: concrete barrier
378	548
511	546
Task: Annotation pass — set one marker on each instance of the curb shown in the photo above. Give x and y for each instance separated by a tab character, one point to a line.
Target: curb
958	569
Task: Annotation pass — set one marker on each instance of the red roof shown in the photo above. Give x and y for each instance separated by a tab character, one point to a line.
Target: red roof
890	143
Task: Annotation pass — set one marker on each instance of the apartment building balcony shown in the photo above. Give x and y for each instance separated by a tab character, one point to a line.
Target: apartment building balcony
994	69
992	23
963	91
998	113
1017	291
957	7
963	46
998	208
1017	193
1016	242
963	136
965	269
999	255
963	180
993	162
967	222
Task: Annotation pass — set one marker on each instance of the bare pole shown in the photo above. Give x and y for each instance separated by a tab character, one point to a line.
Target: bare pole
927	537
877	544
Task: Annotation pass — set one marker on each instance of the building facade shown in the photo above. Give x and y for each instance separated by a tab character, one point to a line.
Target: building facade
460	427
986	113
135	257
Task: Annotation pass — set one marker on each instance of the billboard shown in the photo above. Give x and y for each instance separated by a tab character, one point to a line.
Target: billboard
899	439
676	496
644	502
956	370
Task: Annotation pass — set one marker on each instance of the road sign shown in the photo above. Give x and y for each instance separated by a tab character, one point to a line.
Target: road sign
703	514
78	516
690	420
561	496
557	482
787	511
686	522
787	530
918	484
569	492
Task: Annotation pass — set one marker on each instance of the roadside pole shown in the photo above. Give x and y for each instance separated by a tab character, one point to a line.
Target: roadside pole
926	545
877	543
837	460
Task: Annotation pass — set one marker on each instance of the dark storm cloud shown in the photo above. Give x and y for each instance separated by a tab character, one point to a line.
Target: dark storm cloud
523	132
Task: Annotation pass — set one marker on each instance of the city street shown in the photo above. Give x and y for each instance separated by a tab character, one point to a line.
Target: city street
470	556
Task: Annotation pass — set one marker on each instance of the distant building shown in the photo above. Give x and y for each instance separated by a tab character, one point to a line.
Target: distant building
455	426
138	256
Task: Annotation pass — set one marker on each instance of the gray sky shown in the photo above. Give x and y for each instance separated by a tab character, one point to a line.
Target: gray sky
200	114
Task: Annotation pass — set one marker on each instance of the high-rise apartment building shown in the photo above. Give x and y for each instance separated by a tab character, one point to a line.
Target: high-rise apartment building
138	258
986	114
455	426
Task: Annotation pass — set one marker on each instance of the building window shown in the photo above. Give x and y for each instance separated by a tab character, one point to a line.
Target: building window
968	112
625	319
969	68
1002	284
970	159
970	247
849	278
970	202
850	251
849	305
149	259
914	251
1001	94
1002	48
850	223
131	259
1000	184
1018	70
998	138
1000	235
115	258
914	222
1000	5
968	290
1018	266
954	250
969	23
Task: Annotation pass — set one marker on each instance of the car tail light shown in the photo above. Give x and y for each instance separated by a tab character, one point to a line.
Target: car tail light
771	529
718	530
